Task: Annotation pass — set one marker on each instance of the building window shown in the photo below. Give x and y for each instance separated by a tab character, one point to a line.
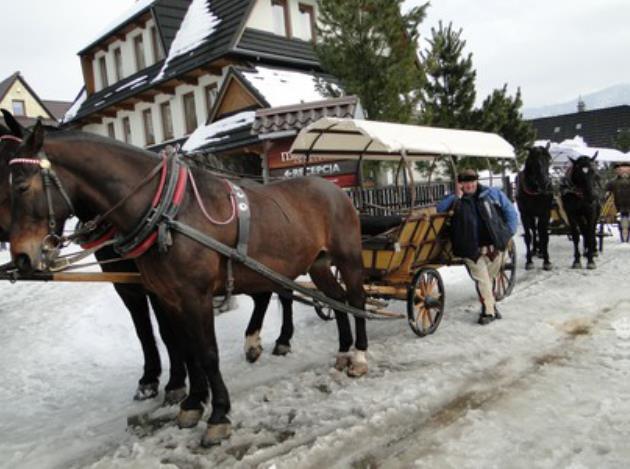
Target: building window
102	66
307	21
578	126
167	120
111	132
556	130
211	96
158	54
280	13
190	113
118	64
138	48
149	134
126	124
19	108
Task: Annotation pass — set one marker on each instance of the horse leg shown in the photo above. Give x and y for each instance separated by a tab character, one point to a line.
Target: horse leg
135	299
324	280
199	314
575	237
352	275
528	231
590	239
283	342
253	347
543	233
175	389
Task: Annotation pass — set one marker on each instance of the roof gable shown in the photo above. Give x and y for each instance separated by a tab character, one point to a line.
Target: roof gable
6	85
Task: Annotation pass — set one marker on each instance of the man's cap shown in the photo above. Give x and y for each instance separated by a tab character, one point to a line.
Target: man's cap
467	175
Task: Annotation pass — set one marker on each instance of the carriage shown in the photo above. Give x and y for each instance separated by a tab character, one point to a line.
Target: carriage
406	242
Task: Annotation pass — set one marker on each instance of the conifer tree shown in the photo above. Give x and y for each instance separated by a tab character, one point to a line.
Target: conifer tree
448	97
371	47
501	114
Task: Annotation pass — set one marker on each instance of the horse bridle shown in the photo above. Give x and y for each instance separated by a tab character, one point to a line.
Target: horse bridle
49	179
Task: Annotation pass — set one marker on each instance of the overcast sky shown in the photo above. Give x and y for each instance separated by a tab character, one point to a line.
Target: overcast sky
554	50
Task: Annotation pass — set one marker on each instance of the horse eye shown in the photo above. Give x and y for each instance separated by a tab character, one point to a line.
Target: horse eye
22	187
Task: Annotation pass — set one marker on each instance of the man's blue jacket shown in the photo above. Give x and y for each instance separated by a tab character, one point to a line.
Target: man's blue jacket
496	196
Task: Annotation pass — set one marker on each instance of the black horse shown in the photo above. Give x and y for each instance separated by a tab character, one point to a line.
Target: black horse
581	202
534	195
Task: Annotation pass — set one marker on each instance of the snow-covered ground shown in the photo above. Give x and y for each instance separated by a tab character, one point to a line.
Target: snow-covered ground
547	386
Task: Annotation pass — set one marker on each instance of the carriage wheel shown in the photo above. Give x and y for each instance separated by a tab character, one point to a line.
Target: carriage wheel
325	312
425	301
504	283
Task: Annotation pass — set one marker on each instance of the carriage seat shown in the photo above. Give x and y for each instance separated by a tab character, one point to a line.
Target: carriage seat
372	225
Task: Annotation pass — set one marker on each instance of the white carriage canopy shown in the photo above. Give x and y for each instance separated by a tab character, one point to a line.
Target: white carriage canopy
335	138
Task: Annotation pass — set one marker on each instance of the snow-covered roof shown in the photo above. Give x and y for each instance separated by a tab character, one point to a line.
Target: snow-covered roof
134	10
210	133
282	87
78	102
350	138
198	25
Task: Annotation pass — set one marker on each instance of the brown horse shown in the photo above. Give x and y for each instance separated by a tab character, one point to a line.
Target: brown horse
137	299
298	226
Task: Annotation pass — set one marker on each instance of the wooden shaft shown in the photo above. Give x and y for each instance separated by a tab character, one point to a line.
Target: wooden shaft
111	277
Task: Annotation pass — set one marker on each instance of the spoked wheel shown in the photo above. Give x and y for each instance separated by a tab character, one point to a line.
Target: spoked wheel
504	283
425	301
325	312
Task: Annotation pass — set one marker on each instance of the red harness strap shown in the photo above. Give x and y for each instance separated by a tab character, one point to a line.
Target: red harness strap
109	234
178	196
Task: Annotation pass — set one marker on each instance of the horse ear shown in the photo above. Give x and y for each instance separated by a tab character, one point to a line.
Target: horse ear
14	125
595	156
35	141
548	146
571	160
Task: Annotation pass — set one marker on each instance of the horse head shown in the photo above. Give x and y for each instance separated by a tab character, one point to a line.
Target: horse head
537	169
583	175
10	139
38	208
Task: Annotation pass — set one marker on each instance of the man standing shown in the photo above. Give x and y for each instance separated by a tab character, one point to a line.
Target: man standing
483	221
620	189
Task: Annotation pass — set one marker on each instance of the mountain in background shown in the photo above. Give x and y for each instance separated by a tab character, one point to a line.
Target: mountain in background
609	97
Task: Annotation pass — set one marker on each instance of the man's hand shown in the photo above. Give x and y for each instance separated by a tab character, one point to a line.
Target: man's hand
458	190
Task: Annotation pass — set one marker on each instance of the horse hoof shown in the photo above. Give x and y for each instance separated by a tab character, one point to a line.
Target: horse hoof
215	434
356	370
547	266
281	349
253	353
591	266
343	361
174	396
146	391
529	266
188	418
576	265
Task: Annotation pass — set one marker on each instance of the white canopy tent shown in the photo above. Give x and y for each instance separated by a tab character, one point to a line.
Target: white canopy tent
576	147
336	138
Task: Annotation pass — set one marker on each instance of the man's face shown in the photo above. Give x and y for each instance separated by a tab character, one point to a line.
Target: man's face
469	187
623	171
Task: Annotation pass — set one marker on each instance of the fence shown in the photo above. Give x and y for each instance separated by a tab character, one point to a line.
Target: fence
391	200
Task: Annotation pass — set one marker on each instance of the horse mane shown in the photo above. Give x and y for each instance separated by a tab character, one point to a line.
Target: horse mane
60	135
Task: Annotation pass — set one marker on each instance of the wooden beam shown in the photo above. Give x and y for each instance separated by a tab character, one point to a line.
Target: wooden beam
165	88
124	106
110	112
